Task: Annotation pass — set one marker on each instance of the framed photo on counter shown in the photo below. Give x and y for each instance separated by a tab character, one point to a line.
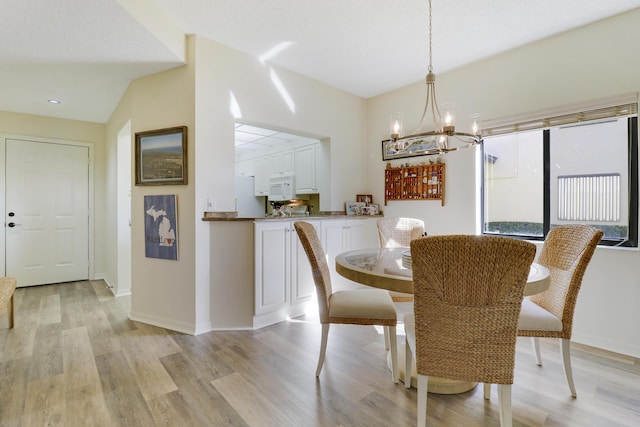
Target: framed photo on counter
354	208
364	198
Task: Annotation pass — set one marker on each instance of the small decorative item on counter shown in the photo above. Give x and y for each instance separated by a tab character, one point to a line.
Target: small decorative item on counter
367	199
354	208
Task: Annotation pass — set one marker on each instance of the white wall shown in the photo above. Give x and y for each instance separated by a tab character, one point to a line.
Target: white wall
176	294
119	120
592	62
123	208
163	292
317	110
301	105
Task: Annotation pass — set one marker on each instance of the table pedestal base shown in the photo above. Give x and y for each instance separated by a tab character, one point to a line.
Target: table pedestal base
436	385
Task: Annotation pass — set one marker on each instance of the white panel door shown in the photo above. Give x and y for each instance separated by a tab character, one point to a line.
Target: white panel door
47	212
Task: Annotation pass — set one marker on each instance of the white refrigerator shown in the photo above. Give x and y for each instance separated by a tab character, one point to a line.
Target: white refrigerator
247	204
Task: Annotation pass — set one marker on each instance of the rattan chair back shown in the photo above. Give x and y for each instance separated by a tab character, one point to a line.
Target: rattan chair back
398	232
468	292
566	252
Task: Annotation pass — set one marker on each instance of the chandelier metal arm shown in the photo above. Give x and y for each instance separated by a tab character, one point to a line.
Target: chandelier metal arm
437	140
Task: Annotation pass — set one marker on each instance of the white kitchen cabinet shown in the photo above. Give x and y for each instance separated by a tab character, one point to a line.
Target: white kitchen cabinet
245	168
262	169
272	266
306	169
282	162
283	280
279	163
303	288
345	234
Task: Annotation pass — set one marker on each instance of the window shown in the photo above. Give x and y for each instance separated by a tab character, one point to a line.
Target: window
574	172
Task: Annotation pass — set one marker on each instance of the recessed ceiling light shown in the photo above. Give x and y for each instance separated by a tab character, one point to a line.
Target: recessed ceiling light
54	101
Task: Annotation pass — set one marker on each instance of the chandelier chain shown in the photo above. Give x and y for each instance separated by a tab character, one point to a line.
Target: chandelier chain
430	49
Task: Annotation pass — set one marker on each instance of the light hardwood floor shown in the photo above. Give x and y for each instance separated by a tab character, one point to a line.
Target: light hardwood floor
75	359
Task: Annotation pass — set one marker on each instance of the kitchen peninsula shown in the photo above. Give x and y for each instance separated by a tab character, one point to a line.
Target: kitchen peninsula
264	277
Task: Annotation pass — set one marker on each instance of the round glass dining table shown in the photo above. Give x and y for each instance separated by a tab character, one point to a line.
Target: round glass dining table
390	269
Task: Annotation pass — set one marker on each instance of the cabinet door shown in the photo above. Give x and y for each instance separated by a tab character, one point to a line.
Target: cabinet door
302	284
282	162
245	168
361	233
345	235
333	240
306	169
286	162
271	266
262	167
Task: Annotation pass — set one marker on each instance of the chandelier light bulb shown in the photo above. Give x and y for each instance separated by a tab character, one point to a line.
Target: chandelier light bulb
475	127
396	125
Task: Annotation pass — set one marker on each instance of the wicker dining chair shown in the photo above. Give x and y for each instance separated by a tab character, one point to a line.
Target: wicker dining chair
7	289
353	307
566	252
396	232
467	296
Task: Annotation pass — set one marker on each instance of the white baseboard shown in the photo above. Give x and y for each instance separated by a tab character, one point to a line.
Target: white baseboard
115	290
626	348
162	322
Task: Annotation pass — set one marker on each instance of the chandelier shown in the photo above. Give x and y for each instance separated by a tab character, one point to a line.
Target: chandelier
443	138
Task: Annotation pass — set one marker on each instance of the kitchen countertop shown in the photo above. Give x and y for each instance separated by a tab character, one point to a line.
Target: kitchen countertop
233	216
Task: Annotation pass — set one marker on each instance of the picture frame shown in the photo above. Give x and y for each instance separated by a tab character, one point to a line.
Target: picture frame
161	227
354	208
161	156
374	209
364	198
390	149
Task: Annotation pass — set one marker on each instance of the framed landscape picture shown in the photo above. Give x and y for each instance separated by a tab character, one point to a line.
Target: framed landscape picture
161	156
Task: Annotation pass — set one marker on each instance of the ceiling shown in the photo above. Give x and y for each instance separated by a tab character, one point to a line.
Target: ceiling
250	139
86	52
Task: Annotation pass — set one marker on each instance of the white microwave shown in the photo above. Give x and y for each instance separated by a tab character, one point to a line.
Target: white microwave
281	187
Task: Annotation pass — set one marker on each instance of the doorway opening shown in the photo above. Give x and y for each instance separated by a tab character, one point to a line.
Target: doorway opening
123	202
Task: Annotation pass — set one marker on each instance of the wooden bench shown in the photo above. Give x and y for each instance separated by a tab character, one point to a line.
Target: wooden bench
7	289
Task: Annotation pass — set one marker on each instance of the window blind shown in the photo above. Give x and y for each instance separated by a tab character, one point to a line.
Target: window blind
624	107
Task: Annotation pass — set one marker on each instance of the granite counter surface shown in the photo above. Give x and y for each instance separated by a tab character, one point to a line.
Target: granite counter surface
233	216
